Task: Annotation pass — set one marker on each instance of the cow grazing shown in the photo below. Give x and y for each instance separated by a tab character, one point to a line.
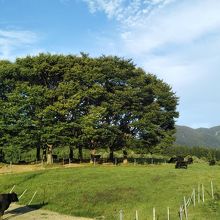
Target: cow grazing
5	201
181	164
212	162
190	160
172	160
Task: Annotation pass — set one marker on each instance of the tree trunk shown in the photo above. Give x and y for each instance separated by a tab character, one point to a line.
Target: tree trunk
111	155
80	155
1	155
125	157
71	154
44	156
38	153
93	151
49	154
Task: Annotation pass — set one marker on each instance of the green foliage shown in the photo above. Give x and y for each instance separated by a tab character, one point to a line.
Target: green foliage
200	152
104	102
12	154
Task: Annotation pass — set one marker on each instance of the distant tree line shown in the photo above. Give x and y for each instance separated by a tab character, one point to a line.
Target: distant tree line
200	152
79	102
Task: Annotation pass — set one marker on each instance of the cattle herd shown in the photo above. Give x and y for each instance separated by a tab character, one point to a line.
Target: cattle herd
181	162
5	201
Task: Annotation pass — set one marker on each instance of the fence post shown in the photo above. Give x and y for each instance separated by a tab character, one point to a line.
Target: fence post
194	197
94	161
32	198
12	188
154	214
185	208
136	215
203	194
22	194
181	213
121	215
168	213
198	193
212	190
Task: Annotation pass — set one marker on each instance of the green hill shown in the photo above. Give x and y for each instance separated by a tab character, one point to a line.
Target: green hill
207	137
100	192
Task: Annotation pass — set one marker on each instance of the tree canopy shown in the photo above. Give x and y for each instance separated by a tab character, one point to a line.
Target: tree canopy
83	102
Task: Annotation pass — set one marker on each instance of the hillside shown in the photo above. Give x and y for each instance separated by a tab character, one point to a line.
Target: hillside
100	192
208	137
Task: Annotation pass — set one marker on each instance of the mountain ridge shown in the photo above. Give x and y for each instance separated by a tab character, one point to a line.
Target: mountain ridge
205	137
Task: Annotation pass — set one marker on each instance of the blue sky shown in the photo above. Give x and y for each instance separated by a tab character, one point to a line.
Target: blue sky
178	40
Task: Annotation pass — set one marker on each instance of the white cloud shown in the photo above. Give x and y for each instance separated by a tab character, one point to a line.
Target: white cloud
15	42
177	40
128	13
173	71
156	34
181	24
146	26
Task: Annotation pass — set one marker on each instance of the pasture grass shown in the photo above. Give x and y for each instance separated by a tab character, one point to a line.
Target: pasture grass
93	191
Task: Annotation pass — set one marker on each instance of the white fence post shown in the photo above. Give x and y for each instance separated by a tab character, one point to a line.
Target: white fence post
154	214
203	194
194	197
94	161
212	190
22	194
136	215
198	193
185	208
168	213
12	188
32	198
181	213
121	215
134	162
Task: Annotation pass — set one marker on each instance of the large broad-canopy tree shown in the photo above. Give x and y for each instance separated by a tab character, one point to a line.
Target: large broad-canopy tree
82	102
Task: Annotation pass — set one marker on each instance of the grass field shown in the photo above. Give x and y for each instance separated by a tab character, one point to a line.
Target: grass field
104	190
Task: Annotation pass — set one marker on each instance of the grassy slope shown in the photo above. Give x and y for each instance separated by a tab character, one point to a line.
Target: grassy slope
96	191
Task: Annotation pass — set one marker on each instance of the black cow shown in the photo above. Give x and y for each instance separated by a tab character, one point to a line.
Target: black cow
190	160
181	164
212	162
172	160
6	200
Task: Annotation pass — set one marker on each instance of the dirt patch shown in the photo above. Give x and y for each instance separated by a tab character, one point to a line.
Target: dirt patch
17	212
6	169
